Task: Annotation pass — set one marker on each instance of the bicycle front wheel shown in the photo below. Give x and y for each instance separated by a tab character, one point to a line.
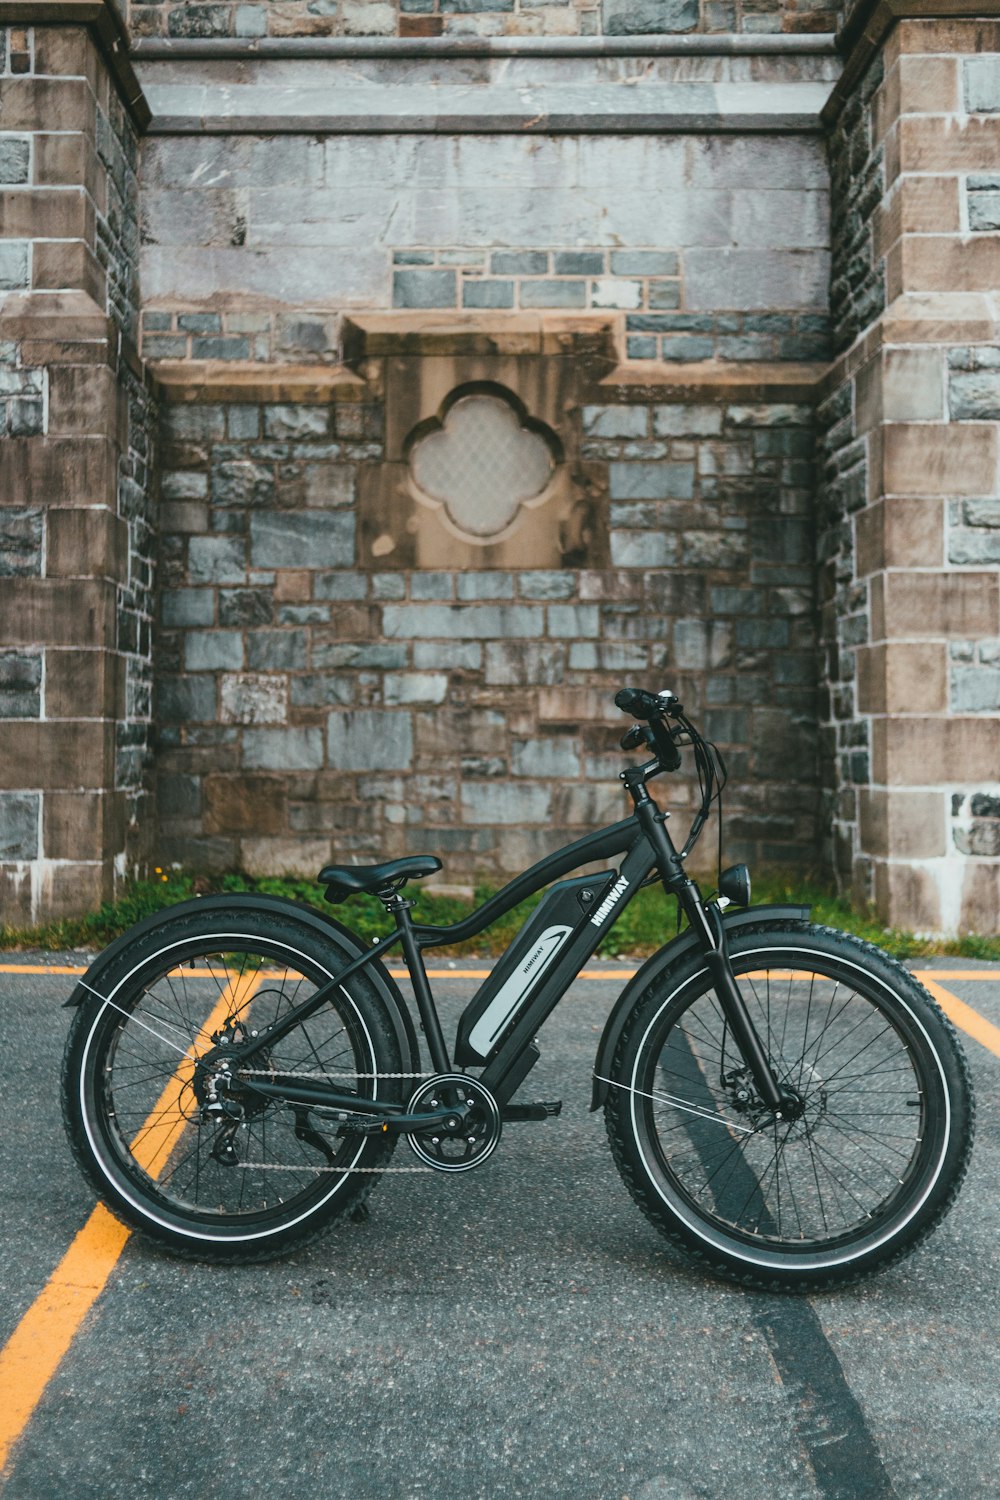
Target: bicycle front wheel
873	1161
250	1178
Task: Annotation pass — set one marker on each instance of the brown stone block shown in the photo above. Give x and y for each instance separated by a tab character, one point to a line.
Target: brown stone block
899	533
67	265
292	586
907	896
935	604
903	678
47	104
72	890
905	825
940	263
47	214
83	825
16	896
75	756
42	611
927	751
55	352
84	684
84	399
64	52
948	34
913	385
981	898
885	106
918	205
245	804
868	396
895	282
942	143
928	85
36	471
86	544
936	459
69	159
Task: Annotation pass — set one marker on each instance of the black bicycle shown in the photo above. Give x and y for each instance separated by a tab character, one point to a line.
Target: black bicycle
782	1100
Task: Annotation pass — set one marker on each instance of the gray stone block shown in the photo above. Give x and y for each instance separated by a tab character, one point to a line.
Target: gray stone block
975	690
687	421
574	621
370	740
20	685
463	621
643	549
243	483
322	690
553	293
296	421
456	656
216	559
276	650
245	607
486	585
15	154
195	423
479	293
342	586
542	758
431	585
749	279
184	700
424	289
20	543
388	586
302	539
187	606
524	663
20	819
183	484
578	263
13	265
213	650
414	687
248	699
651	481
984	210
616	421
503	803
546	585
641	347
519	263
644	263
283	749
974	395
982	84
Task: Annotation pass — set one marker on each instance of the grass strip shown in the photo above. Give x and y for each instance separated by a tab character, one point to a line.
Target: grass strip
647	923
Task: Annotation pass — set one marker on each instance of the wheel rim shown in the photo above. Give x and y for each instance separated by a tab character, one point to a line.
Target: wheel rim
147	1119
844	1177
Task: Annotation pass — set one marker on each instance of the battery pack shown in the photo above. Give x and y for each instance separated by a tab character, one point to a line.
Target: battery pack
563	910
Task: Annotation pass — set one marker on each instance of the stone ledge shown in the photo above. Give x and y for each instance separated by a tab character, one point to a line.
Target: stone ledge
380	335
715	44
718	380
106	21
221	380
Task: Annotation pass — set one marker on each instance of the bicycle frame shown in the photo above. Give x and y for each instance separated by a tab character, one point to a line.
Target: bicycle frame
565	949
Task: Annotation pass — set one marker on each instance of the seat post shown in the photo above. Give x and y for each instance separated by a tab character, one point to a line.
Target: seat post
399	908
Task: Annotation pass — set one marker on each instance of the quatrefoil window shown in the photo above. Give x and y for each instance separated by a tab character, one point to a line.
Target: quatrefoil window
482	460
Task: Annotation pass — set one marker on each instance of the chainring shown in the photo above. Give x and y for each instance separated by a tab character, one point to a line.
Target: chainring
476	1138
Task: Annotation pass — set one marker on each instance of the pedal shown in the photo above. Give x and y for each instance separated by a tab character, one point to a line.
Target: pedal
532	1111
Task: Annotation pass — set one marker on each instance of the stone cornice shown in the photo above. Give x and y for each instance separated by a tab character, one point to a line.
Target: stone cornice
391	48
869	22
107	26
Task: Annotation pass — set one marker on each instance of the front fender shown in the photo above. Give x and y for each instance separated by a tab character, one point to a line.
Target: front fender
665	958
308	916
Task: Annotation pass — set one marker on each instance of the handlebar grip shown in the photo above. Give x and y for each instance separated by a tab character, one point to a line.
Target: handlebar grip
638	703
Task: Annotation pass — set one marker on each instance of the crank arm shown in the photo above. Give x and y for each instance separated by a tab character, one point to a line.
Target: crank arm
416	1124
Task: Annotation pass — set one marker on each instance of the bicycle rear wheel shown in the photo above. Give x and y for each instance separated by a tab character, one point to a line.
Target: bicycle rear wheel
250	1182
868	1169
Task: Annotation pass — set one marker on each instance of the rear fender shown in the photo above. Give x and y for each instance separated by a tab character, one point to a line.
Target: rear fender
306	916
665	958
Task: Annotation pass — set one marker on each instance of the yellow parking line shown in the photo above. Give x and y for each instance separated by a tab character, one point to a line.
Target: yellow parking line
40	1341
396	973
938	974
964	1017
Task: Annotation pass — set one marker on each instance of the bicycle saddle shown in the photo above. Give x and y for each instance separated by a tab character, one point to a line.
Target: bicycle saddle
342	881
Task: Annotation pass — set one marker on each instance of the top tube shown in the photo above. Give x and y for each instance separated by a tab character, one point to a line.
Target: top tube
605	843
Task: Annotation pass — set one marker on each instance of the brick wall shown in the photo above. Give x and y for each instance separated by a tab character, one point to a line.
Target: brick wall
421	18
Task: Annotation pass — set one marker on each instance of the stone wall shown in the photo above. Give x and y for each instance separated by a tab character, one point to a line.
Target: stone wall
314	701
909	524
483	18
76	469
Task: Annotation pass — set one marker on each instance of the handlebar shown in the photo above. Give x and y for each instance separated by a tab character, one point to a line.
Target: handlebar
653	709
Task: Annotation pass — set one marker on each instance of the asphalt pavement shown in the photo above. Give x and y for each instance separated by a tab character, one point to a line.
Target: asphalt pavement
517	1331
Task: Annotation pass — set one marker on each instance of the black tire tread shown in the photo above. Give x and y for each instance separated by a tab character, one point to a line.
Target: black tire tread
843	1276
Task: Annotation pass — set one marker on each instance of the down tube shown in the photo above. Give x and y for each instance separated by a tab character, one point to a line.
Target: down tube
539	1004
